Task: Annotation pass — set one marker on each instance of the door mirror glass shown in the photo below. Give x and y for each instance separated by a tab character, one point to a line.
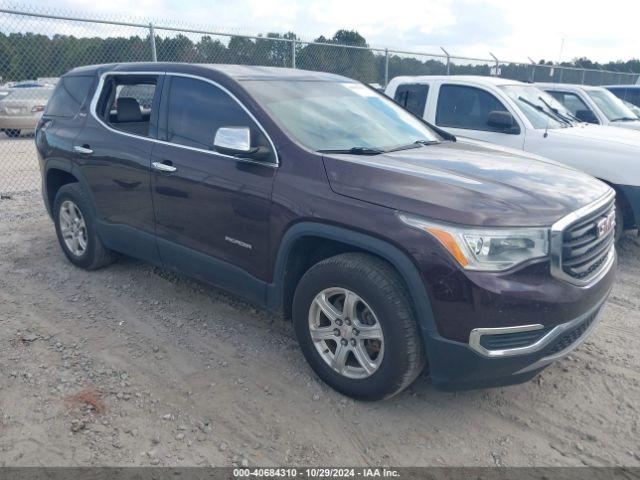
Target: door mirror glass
586	116
503	121
233	140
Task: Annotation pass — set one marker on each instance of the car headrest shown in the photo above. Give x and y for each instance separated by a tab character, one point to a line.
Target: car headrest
128	110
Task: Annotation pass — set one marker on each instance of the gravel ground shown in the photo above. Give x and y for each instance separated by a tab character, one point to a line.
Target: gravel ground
19	169
132	365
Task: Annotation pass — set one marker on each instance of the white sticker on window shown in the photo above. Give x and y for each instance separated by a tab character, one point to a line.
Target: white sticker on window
360	89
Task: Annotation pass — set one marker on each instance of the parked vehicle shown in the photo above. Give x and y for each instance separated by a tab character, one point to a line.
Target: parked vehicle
389	243
633	108
21	109
521	116
628	93
590	104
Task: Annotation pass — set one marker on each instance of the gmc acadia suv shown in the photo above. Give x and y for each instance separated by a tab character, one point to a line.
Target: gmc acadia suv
389	243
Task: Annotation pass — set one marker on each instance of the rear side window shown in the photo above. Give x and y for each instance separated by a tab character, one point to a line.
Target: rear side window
412	97
69	95
195	111
127	103
460	106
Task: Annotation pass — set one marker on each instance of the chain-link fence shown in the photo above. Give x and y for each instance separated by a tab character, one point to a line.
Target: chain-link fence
38	45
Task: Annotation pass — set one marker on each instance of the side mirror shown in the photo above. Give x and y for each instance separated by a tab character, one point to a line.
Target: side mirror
586	116
503	121
236	141
233	140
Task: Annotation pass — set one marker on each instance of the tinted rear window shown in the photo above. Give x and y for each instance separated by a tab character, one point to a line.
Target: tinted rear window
69	95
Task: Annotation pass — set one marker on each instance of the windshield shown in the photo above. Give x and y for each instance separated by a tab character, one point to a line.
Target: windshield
29	94
325	115
542	110
611	106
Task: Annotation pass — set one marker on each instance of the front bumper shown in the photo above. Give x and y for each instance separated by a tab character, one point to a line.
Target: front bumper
461	366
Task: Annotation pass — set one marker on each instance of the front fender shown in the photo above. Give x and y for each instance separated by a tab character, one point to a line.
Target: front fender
376	246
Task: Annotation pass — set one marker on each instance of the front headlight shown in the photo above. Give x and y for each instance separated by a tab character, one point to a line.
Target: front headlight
487	249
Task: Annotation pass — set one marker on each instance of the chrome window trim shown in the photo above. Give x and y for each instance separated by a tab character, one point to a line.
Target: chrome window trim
100	87
477	333
555	243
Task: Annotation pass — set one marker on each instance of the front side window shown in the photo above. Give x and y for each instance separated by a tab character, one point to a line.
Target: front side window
330	115
127	103
465	107
571	101
197	109
575	105
611	106
412	97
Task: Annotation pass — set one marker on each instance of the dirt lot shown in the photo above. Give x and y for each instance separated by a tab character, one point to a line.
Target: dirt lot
180	374
19	170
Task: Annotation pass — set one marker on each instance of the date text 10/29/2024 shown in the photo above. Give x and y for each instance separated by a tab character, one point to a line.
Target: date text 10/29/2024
316	473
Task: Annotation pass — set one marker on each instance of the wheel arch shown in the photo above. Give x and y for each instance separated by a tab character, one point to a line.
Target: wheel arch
58	173
287	274
629	218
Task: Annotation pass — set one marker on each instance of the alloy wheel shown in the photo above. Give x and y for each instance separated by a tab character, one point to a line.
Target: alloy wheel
73	228
346	333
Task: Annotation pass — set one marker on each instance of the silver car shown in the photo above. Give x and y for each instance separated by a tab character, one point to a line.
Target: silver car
21	109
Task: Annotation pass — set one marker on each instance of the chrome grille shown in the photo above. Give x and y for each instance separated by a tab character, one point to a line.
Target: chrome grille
580	249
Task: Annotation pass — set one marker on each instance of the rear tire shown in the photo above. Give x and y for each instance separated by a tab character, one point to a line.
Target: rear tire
373	322
12	132
76	231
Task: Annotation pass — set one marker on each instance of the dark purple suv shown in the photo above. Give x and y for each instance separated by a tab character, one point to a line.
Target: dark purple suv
391	244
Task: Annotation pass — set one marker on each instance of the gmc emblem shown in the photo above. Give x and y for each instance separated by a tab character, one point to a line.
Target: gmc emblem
606	224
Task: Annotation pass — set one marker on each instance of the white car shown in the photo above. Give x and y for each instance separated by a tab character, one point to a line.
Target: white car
593	105
521	116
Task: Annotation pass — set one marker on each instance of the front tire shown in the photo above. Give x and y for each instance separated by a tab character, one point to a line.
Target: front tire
76	231
356	328
619	228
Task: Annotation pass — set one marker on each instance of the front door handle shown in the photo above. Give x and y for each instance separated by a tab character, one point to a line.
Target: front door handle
163	167
85	150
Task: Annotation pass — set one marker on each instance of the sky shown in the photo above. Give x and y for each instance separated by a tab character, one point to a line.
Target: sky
510	29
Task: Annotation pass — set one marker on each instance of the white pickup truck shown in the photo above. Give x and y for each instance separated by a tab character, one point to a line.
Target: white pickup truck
521	116
595	105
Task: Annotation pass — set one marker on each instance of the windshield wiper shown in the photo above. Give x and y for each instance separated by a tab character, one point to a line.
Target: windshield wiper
416	144
541	109
354	151
557	112
624	119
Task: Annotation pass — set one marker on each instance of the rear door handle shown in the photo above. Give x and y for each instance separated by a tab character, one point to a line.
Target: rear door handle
85	150
163	167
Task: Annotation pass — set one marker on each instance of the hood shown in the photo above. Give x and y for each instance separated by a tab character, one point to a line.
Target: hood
466	183
611	134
